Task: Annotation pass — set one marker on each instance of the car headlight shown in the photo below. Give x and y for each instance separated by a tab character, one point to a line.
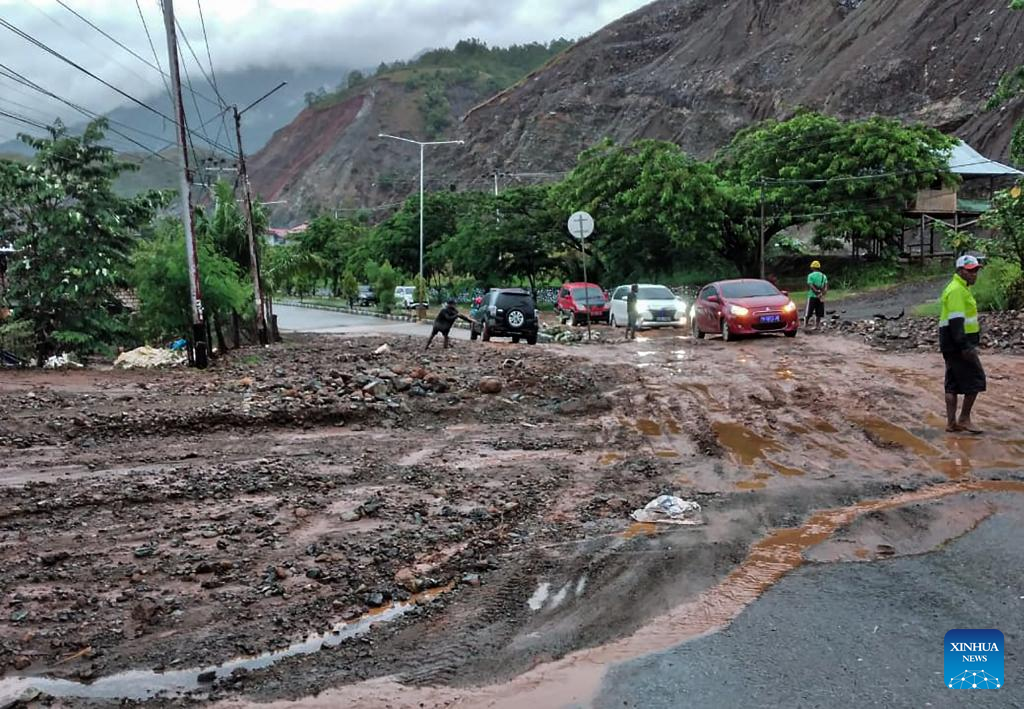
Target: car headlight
790	307
738	311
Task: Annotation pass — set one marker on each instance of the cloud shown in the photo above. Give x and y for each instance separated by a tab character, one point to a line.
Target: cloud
259	34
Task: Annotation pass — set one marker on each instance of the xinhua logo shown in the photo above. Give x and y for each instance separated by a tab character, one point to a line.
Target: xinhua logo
974	659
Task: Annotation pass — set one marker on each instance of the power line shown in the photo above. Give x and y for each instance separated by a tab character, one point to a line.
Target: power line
32	40
213	73
188	44
157	67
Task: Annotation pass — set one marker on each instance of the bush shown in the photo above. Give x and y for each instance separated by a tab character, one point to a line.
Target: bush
385	280
998	286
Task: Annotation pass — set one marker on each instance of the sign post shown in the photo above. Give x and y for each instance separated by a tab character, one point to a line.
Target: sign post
581	226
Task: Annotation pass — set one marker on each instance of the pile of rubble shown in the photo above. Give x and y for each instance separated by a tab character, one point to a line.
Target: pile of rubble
565	334
999	331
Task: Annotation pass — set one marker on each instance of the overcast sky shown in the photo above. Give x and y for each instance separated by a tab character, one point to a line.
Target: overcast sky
247	33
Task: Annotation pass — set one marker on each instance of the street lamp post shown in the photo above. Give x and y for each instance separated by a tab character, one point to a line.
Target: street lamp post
423	145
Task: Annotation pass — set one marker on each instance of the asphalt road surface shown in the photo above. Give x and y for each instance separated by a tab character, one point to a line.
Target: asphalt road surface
851	635
292	319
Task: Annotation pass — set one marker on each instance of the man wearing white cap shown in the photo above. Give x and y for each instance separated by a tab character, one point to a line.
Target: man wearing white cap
959	338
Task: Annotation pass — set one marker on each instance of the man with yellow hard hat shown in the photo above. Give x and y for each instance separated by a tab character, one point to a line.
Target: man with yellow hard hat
818	284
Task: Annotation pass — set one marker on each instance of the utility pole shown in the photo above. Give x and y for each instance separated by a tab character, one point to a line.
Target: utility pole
762	228
261	312
200	352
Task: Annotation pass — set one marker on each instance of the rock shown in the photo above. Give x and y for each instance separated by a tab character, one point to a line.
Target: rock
436	383
281	573
491	385
21	662
351	516
471	580
375	600
207	677
418	373
377	389
53	558
406	578
402	384
302	512
382	350
144	551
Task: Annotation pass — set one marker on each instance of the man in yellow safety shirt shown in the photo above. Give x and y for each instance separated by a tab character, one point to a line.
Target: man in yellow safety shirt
959	338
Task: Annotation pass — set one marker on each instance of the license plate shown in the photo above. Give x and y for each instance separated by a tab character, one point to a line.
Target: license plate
770	319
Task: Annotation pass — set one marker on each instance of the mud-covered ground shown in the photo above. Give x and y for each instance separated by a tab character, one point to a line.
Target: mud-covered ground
156	525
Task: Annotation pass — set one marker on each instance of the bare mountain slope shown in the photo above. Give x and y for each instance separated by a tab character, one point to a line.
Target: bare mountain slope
696	71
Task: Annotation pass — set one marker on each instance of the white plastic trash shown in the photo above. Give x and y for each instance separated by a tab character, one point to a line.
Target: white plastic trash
669	510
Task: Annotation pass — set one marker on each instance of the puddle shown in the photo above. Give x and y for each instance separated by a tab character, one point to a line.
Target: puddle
147	684
640	529
890	433
786	471
751	485
745	446
653	429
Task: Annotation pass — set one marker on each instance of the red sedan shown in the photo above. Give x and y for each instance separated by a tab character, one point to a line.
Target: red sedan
744	307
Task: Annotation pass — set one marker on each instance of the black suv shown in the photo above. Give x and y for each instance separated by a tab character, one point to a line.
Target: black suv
366	296
506	312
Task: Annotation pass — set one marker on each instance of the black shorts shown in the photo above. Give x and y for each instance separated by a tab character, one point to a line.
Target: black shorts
964	376
815	308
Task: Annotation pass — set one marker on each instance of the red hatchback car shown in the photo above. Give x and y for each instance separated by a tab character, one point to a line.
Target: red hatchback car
579	301
744	307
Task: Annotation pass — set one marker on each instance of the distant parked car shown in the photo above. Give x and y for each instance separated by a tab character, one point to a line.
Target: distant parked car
405	296
656	306
744	307
506	312
366	296
579	302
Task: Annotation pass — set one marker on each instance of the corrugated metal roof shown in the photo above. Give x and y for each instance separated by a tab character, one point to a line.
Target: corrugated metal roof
965	160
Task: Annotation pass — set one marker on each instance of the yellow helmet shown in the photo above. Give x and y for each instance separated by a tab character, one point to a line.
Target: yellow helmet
815	264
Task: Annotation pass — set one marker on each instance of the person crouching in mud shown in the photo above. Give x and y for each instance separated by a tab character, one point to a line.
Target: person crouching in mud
444	322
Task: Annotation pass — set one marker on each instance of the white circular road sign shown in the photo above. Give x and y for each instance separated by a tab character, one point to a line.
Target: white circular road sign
581	225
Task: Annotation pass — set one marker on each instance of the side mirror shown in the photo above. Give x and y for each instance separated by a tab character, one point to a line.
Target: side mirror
714	299
784	292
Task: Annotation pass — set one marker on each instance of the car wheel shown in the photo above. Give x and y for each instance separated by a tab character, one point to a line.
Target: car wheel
697	332
531	339
727	335
515	340
574	319
791	334
473	334
562	319
486	334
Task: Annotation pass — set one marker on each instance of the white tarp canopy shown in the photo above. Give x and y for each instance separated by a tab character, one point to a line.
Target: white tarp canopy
965	160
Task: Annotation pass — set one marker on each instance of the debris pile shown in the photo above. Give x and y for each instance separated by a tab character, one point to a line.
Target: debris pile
150	358
999	331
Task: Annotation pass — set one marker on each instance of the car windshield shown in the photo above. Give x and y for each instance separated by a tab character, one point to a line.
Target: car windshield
655	293
749	289
591	296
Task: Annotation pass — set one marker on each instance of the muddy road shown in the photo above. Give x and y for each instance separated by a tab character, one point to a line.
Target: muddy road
341	518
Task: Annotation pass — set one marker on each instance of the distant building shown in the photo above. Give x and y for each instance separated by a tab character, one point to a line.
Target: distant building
958	207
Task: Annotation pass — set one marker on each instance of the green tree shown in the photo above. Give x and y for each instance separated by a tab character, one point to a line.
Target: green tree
852	179
655	206
349	286
384	279
160	277
1006	220
73	235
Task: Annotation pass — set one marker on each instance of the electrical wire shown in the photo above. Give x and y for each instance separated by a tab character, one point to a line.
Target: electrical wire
32	40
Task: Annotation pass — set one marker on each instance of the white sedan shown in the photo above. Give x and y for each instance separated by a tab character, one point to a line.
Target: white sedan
656	306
